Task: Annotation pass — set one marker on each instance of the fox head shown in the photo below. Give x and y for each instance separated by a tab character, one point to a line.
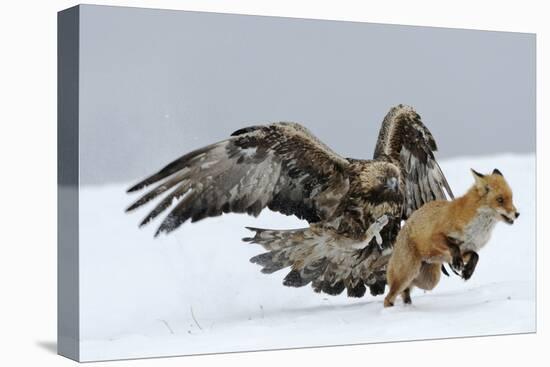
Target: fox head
496	195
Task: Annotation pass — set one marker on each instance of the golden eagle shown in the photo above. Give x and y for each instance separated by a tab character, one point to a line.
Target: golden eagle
354	207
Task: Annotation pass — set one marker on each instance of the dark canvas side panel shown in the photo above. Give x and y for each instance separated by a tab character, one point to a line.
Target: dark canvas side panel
67	183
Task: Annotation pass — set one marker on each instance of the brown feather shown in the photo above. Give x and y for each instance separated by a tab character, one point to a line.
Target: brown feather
285	168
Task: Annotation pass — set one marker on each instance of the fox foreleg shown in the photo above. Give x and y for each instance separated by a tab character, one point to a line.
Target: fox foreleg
471	258
465	262
454	247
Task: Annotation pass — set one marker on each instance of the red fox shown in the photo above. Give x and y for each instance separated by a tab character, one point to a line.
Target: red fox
448	232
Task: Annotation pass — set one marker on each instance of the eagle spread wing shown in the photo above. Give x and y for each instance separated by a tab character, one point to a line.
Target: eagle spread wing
354	207
280	166
406	141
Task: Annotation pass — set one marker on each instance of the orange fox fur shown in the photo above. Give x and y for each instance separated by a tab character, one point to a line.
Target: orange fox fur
447	232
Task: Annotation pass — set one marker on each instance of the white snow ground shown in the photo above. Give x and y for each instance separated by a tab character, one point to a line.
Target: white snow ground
194	291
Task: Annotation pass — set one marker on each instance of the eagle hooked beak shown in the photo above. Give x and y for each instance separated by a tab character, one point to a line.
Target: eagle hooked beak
392	184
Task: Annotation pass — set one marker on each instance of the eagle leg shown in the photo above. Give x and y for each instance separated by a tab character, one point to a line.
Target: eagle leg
375	229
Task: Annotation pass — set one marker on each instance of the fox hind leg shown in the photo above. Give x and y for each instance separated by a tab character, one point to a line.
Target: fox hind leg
400	279
406	295
397	288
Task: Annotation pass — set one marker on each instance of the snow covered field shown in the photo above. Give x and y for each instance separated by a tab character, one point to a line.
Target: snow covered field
194	291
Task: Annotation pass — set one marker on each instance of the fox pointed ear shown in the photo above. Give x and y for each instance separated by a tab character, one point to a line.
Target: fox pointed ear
476	174
480	183
497	172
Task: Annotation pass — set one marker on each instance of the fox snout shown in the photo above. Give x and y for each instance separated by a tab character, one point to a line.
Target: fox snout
510	217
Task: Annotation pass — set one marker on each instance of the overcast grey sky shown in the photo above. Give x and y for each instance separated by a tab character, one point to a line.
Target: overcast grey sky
155	84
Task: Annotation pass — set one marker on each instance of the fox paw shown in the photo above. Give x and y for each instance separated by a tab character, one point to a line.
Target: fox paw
458	264
470	265
467	272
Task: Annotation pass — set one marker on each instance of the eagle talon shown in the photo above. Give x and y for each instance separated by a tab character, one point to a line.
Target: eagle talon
378	240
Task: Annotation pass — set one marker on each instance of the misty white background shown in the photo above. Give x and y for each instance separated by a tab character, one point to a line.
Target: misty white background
28	247
155	84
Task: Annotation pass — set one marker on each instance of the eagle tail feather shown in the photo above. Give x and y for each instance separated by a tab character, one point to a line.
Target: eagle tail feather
305	251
